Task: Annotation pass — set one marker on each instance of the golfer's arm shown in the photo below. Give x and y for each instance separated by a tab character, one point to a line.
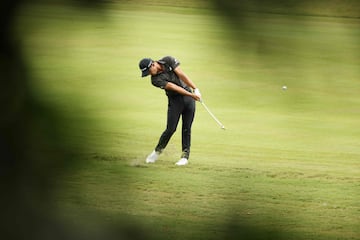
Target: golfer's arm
180	73
173	87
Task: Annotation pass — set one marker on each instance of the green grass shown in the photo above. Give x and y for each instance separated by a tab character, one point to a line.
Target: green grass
287	166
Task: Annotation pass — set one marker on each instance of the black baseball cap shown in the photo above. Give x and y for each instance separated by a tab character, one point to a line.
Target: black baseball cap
144	66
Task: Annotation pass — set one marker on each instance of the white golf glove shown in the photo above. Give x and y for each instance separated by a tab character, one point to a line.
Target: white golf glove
197	93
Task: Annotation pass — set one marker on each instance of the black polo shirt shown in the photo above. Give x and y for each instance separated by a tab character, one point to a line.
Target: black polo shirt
168	75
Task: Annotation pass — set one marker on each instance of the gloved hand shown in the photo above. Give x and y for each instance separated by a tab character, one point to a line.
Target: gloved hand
197	93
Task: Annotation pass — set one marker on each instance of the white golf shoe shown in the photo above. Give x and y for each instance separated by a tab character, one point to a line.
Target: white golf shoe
182	161
152	157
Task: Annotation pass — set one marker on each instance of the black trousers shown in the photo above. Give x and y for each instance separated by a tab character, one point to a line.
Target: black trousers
183	106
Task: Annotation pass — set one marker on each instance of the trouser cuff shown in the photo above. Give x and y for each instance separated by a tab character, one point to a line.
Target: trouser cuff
185	154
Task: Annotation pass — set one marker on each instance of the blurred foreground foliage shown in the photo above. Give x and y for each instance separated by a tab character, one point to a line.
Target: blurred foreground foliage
33	148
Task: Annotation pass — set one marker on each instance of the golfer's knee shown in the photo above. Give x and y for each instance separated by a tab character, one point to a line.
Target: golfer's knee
186	131
170	130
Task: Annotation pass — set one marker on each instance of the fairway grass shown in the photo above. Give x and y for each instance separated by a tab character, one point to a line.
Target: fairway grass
286	167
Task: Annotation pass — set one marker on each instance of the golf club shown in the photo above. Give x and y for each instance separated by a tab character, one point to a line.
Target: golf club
212	115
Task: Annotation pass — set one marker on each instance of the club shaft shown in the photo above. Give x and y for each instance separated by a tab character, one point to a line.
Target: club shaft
212	115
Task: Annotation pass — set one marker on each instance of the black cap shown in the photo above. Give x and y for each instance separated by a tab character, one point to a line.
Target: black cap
145	65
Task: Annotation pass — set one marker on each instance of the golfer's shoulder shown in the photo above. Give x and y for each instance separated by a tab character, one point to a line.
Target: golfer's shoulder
170	60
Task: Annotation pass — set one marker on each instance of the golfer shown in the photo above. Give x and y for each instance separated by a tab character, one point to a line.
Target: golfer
182	94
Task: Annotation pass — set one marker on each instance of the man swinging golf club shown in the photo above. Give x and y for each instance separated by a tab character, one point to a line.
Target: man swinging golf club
182	94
